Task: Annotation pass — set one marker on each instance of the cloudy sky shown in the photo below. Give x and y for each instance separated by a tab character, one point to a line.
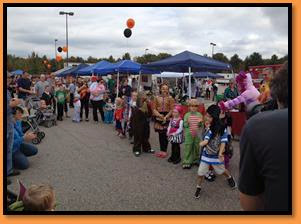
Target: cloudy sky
99	31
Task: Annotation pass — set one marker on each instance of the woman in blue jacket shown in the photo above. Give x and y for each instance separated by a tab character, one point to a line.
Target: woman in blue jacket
21	149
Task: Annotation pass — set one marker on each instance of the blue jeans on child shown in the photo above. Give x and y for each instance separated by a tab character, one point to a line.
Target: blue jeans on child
108	117
20	157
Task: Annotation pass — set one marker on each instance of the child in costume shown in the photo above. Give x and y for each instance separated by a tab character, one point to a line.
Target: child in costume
109	111
133	103
140	125
60	95
192	125
214	146
175	135
118	116
248	94
162	109
77	106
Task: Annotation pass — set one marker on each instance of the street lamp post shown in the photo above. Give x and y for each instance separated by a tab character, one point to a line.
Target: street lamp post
145	50
213	45
67	14
55	40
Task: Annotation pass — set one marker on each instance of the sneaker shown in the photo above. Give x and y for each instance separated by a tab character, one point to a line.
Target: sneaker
197	194
231	182
209	178
87	119
137	154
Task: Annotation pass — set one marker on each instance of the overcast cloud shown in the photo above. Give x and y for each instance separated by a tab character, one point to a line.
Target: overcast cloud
98	32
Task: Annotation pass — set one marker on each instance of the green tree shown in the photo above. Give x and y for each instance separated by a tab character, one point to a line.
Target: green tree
221	57
126	56
236	62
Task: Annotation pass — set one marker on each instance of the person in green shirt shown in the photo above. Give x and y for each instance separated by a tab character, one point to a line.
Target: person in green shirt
230	92
60	95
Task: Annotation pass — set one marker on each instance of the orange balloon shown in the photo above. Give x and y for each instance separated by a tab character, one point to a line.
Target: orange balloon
65	49
49	66
58	58
130	23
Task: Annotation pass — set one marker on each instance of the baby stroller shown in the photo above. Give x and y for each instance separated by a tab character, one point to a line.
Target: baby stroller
30	123
46	117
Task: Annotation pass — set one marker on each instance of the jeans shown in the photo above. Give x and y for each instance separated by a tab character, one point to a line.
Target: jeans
71	100
10	139
20	157
84	104
108	117
98	105
60	110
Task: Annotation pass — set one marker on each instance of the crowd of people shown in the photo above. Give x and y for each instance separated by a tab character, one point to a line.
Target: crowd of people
206	136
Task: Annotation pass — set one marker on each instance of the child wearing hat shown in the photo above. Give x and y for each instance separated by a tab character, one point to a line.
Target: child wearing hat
192	125
175	135
213	145
77	106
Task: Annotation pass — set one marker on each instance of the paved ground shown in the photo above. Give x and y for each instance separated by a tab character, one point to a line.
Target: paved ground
92	169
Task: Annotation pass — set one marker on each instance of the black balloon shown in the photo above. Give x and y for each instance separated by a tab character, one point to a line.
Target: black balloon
127	32
59	49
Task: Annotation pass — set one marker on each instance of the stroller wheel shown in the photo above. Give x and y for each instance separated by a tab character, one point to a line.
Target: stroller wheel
41	135
36	141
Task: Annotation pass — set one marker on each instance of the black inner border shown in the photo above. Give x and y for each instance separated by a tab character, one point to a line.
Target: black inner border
290	16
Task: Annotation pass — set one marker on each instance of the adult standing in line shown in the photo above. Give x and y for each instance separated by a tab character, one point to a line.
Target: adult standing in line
231	91
24	85
214	90
40	86
51	81
96	96
72	89
111	87
264	154
162	110
84	93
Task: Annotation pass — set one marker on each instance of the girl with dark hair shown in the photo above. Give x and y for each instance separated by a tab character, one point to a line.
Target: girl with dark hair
213	149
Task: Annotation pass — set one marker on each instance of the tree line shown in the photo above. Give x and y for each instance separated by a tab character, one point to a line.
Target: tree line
34	64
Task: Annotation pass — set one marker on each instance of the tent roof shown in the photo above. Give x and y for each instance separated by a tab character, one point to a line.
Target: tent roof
206	75
182	61
92	68
62	70
73	70
124	66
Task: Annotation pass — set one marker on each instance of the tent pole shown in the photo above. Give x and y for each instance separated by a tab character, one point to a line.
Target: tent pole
189	71
117	84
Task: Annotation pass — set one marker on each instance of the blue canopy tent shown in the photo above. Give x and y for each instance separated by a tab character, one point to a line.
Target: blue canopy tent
207	75
72	71
124	66
187	62
17	72
92	68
